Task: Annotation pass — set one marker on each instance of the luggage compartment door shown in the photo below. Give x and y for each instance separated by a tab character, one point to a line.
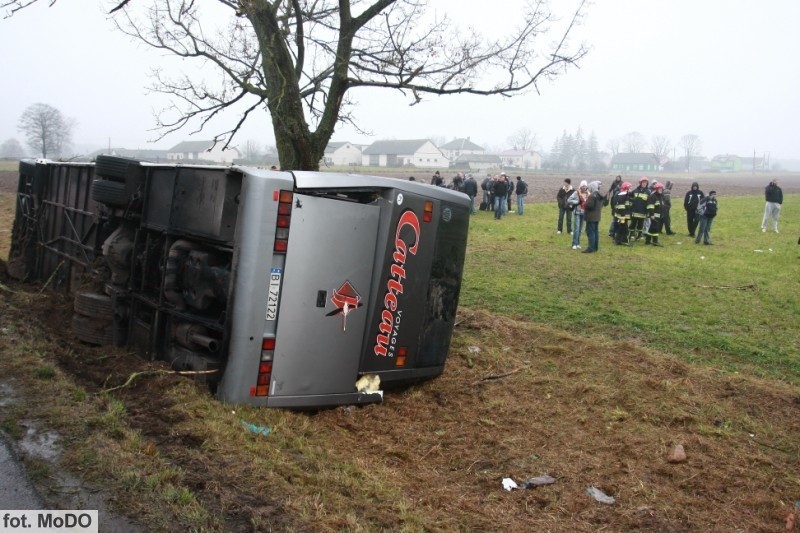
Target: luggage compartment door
326	284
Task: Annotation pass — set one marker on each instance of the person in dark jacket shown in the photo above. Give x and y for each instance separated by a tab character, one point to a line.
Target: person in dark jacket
708	207
509	191
522	191
666	218
563	209
772	210
500	192
690	203
487	200
612	191
592	213
655	207
639	197
471	190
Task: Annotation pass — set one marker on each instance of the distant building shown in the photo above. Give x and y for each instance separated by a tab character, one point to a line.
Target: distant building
526	159
458	147
639	162
417	152
199	151
342	154
477	162
734	163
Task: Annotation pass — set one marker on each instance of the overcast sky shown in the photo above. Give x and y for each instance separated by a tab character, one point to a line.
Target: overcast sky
725	70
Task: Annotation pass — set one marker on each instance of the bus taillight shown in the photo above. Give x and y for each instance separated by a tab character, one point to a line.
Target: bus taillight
283	222
264	367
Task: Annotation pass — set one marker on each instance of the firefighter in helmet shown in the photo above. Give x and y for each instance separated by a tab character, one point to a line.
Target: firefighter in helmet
655	206
621	209
639	197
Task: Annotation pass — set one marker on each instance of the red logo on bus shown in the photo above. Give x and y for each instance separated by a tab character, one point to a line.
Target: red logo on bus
345	299
391	316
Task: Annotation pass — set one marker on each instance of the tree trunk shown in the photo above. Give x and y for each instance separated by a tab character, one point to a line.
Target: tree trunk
297	148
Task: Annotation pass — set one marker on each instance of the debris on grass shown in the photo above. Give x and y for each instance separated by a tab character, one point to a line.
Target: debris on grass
510	484
254	428
677	454
600	496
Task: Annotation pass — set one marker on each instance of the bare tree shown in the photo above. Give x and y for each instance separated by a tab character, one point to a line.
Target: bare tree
251	151
438	140
299	58
523	139
634	142
47	131
12	6
691	147
660	145
12	148
614	146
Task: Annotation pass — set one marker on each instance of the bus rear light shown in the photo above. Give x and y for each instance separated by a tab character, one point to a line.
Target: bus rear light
283	222
264	368
286	197
400	360
281	245
427	216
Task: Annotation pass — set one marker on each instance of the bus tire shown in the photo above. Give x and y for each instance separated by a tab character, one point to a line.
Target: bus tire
113	167
110	193
92	330
93	305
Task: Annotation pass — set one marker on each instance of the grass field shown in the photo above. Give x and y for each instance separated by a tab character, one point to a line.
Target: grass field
734	304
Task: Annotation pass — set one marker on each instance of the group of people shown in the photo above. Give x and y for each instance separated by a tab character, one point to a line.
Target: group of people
643	212
640	212
498	191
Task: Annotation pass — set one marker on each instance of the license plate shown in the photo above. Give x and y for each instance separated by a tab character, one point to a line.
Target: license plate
273	293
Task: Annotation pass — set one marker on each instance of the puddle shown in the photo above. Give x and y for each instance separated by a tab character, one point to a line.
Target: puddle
41	444
6	395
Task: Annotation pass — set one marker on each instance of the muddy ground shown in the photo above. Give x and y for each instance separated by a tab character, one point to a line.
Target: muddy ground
517	400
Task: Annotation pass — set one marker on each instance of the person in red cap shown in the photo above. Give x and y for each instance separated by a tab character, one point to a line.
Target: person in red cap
639	197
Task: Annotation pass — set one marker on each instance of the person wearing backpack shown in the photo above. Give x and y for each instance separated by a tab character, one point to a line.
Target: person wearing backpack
522	192
707	210
690	203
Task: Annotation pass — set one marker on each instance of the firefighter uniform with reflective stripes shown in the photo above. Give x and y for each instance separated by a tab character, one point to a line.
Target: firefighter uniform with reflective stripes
621	208
655	205
638	197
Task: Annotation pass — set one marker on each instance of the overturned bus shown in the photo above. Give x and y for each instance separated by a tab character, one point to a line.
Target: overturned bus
278	288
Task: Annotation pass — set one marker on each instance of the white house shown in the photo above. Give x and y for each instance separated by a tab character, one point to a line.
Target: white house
458	147
527	159
342	154
418	153
192	151
477	162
